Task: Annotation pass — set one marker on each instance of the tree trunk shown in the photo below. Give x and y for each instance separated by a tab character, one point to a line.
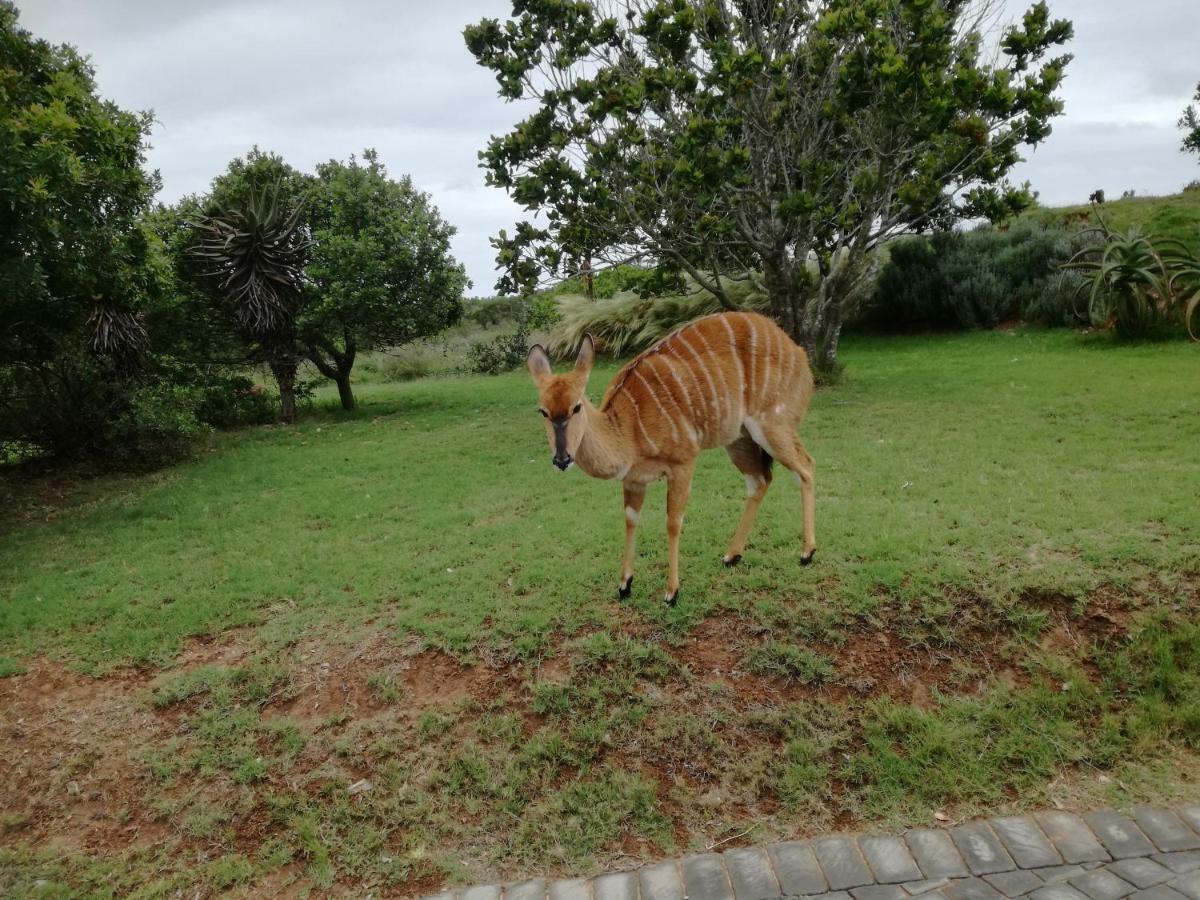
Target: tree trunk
284	371
344	390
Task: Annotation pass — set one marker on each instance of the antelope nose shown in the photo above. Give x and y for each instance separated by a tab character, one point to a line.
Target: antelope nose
563	462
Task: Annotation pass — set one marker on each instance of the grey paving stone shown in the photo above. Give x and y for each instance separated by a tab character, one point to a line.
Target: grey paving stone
889	859
1183	861
660	882
534	889
1188	885
1103	885
1057	892
482	892
1118	833
619	886
751	875
570	889
1191	815
1014	884
878	892
1158	892
935	853
1057	874
971	889
981	849
925	885
444	895
1071	837
1141	873
1168	832
843	865
705	878
831	895
796	868
1024	840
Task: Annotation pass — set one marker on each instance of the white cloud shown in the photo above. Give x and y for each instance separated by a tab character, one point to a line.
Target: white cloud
315	80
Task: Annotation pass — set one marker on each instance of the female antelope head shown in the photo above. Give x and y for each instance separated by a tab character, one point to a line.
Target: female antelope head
561	400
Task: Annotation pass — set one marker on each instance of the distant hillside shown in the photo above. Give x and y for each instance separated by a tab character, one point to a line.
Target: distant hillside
1176	216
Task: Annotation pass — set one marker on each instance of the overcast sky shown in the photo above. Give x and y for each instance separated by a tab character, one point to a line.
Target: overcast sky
315	80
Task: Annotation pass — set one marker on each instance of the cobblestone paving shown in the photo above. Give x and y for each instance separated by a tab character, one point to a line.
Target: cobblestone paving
1150	853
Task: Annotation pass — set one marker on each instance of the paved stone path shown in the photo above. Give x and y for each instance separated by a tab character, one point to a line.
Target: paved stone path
1152	853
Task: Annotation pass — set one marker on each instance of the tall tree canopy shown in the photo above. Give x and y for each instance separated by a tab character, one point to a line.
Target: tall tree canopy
74	259
378	274
774	140
1190	123
381	271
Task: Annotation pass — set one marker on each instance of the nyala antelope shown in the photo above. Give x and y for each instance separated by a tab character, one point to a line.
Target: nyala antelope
732	380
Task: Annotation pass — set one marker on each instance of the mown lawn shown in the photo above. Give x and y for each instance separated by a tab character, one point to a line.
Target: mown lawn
1002	613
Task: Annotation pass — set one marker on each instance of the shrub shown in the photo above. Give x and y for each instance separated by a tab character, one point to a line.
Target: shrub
975	279
76	406
228	401
495	310
408	367
501	354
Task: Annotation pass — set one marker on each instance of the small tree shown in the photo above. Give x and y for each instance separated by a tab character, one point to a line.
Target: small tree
381	271
256	255
1190	123
780	142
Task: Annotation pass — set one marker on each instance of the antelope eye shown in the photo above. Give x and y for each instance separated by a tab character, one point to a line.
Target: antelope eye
578	407
545	415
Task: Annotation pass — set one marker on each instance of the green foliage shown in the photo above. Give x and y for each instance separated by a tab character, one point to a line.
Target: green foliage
1173	217
1135	284
381	267
82	281
627	323
974	279
1190	123
501	354
708	139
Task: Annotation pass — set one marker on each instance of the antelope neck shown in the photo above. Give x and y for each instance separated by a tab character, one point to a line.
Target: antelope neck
602	452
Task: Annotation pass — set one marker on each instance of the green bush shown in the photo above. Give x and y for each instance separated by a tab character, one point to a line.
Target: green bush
79	407
494	311
228	401
408	367
975	279
501	354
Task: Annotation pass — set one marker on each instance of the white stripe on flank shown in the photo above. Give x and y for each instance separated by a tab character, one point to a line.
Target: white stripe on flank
737	358
637	417
768	364
671	395
662	409
754	360
687	395
712	386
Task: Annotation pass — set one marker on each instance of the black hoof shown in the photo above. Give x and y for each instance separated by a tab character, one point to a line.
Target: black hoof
626	590
732	561
807	559
672	599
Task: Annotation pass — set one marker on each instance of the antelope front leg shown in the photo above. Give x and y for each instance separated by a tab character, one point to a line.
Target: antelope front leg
634	497
679	485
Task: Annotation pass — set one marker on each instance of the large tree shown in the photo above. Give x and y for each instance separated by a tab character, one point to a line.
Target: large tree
780	141
1190	123
381	271
78	271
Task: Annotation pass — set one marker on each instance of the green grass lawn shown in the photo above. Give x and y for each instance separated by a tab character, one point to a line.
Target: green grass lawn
1003	607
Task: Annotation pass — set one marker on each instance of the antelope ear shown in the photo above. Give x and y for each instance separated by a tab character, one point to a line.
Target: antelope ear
538	363
586	356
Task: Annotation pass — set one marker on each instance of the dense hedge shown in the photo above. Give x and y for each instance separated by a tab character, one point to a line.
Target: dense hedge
976	279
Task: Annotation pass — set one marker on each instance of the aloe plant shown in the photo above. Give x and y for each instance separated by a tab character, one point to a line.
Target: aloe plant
1185	287
257	254
1130	281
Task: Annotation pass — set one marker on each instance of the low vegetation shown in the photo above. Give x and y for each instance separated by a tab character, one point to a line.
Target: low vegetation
419	673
